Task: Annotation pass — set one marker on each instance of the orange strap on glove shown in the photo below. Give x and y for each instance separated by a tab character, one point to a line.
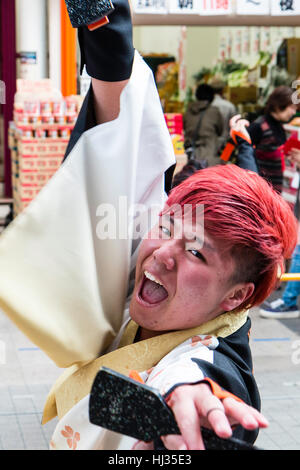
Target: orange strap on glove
219	392
232	143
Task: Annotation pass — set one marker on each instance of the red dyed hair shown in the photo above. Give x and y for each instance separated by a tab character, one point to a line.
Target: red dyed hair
253	221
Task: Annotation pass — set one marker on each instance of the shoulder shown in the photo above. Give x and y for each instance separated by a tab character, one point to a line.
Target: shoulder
214	112
258	122
256	127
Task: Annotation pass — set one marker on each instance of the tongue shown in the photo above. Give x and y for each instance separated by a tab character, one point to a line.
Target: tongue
153	293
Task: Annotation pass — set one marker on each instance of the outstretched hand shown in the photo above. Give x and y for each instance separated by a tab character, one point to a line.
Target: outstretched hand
239	125
195	406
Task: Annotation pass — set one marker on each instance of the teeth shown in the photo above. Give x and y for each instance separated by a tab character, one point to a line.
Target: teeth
152	278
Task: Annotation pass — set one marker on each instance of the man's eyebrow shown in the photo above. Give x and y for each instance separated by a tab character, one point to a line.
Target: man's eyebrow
204	244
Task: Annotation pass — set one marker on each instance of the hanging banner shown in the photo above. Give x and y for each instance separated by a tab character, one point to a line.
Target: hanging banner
222	54
285	7
255	41
229	45
182	75
216	7
246	42
251	7
265	39
150	6
237	51
184	6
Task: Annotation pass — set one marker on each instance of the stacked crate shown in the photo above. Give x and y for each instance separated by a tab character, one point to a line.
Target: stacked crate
174	123
38	139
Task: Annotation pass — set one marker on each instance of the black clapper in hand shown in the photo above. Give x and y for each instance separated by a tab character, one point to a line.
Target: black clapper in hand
87	12
122	405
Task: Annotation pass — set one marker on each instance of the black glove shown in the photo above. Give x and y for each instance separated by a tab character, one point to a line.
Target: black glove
108	51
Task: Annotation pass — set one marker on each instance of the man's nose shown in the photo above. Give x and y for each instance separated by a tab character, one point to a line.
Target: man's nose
167	254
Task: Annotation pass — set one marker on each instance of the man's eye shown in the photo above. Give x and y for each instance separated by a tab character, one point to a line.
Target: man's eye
165	231
197	254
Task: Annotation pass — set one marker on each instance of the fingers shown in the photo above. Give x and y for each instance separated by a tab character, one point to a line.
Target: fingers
240	129
213	413
140	445
219	423
182	402
234	120
196	406
174	442
237	123
245	415
244	123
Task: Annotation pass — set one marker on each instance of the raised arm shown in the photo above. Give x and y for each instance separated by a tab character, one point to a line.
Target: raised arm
108	54
107	99
246	154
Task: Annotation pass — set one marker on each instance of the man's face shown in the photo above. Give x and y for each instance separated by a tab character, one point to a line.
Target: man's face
181	282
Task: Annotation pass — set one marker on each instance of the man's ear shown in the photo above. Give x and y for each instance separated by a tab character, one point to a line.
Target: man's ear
237	295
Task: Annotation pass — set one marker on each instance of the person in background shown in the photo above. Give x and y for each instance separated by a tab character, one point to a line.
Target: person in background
203	126
286	306
268	135
240	143
226	108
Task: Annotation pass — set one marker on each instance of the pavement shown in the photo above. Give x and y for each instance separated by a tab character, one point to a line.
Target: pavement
275	348
27	374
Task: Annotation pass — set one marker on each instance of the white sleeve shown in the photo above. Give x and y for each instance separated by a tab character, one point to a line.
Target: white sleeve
180	367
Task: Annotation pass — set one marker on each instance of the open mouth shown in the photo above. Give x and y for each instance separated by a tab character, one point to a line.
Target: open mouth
152	291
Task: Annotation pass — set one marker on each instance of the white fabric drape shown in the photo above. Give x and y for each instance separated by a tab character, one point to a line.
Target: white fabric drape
63	286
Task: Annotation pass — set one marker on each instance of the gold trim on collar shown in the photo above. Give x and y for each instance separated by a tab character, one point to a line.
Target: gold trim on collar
76	382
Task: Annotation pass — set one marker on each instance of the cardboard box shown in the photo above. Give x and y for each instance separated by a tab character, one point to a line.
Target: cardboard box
42	146
49	163
20	203
288	56
34	160
26	191
239	95
35	177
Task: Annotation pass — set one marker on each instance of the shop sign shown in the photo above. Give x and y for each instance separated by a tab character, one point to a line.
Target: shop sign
216	7
28	58
285	7
253	7
184	6
150	6
28	62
